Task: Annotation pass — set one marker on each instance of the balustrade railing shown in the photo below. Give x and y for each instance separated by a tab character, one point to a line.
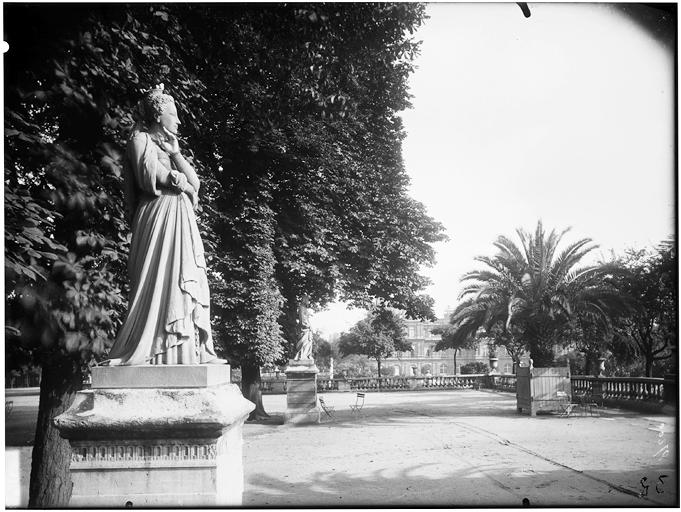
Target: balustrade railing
327	385
613	388
648	389
400	383
453	382
638	389
501	382
23	379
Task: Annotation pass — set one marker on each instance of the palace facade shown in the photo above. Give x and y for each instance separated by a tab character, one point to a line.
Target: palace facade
424	360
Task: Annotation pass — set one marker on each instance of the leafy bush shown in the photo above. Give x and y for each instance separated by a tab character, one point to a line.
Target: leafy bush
474	368
355	365
575	360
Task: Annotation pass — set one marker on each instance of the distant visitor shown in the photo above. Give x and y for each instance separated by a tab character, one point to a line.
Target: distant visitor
168	319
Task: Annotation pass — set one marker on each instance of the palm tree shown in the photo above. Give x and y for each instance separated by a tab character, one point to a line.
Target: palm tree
529	294
450	339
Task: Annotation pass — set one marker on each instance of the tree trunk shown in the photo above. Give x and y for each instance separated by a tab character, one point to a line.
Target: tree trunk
50	485
456	351
515	357
250	388
378	361
588	365
649	365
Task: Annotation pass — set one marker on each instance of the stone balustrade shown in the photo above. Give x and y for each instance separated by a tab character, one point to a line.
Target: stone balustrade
614	389
453	382
637	389
646	389
401	383
23	379
501	382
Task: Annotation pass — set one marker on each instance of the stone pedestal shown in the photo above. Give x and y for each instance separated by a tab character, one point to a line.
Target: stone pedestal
157	436
301	392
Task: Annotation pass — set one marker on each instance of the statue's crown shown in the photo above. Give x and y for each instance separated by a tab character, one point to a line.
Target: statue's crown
157	99
157	89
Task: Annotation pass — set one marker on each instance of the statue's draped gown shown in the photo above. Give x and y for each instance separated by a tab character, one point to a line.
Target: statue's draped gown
168	319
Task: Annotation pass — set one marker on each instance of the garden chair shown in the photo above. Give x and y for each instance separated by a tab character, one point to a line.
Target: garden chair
587	404
568	407
326	408
359	403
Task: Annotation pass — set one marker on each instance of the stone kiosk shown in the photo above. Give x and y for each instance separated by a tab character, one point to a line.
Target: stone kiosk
157	436
301	392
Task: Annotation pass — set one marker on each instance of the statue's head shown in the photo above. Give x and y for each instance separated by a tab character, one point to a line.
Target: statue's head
157	109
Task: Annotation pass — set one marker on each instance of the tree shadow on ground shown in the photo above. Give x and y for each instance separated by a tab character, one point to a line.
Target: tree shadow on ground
459	405
479	486
381	415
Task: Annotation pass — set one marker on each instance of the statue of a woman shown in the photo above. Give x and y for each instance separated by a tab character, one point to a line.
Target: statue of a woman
304	345
168	320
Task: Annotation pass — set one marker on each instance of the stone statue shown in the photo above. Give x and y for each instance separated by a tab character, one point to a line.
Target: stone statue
168	320
304	345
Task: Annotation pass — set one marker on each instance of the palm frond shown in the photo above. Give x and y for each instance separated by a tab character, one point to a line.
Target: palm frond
568	258
509	248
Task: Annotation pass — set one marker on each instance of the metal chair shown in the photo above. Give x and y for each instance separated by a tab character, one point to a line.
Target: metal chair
326	408
568	406
587	404
567	409
359	403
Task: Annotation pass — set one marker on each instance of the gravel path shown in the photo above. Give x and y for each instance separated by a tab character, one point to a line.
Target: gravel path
457	448
439	448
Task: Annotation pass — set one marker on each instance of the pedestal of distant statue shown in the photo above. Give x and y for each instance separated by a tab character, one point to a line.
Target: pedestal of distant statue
157	436
301	392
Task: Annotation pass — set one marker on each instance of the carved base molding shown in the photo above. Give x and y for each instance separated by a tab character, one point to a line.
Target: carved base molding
156	447
152	453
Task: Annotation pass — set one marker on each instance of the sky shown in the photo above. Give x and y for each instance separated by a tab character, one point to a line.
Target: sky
566	116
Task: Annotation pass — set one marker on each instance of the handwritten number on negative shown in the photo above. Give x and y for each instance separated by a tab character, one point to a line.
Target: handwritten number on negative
645	487
657	486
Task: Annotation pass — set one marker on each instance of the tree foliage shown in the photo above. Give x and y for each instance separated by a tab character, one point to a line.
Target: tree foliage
290	116
449	339
70	90
379	335
474	368
650	327
529	295
356	365
323	351
304	105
